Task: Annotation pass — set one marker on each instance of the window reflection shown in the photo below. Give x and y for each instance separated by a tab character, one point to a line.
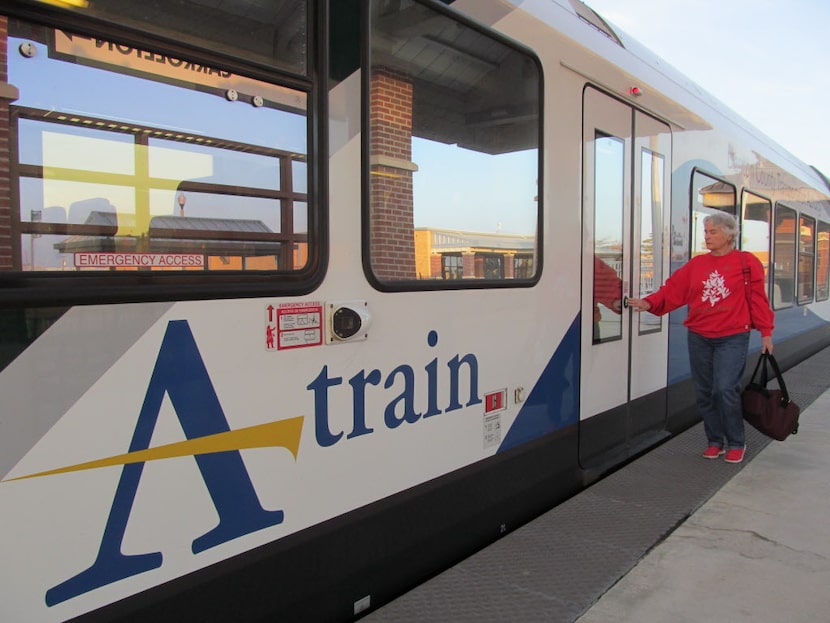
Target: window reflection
271	32
454	157
806	257
756	213
124	164
784	257
709	195
523	266
609	203
651	211
823	262
452	266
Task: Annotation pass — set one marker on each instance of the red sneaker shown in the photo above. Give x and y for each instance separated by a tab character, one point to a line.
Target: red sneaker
713	452
735	455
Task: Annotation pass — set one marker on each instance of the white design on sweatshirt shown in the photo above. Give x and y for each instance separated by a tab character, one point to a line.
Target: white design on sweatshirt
714	289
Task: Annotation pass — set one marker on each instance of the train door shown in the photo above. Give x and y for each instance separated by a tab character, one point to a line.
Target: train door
625	199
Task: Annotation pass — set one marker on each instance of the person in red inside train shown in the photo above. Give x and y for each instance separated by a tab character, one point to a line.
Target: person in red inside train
607	291
719	322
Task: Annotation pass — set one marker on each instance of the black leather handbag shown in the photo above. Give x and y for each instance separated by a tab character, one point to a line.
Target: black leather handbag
769	410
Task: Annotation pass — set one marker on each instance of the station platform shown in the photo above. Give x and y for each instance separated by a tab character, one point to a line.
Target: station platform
668	537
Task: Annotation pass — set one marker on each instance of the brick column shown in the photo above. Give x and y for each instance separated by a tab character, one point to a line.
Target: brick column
468	260
8	94
509	261
436	268
392	244
479	267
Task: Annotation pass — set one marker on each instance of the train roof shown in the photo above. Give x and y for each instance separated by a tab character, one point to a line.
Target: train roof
671	95
690	93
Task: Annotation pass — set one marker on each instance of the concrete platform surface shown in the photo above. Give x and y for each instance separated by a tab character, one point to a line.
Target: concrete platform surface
758	550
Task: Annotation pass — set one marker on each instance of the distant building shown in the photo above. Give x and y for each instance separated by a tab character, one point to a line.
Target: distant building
454	254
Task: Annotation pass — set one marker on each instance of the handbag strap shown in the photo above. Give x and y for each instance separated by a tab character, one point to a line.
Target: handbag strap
762	366
785	395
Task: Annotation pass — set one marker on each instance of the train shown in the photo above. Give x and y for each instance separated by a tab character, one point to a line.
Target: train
304	301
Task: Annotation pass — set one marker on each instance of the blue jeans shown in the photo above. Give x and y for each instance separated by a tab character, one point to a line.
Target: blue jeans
717	368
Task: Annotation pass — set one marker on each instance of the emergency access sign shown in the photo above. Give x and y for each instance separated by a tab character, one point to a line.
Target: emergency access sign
293	325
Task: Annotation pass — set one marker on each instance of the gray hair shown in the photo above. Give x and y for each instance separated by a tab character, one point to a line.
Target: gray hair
726	222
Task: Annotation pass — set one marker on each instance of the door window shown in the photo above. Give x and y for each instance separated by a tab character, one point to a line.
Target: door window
609	206
652	168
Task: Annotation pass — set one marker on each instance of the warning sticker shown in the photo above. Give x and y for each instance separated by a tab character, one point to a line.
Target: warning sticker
293	325
492	430
494	403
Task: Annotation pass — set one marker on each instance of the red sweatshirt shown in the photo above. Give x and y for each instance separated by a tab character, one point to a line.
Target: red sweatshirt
713	288
607	288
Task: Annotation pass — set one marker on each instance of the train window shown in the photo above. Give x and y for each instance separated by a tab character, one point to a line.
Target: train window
609	208
652	166
756	213
823	262
454	154
130	161
806	258
708	195
783	257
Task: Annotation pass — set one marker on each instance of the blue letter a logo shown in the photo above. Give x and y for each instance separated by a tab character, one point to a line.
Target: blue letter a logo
181	374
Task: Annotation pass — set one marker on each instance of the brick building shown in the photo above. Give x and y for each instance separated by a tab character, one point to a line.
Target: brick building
453	254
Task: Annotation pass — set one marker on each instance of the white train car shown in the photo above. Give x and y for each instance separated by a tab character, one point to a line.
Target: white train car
303	301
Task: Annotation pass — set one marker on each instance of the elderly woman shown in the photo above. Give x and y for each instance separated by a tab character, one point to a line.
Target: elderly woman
719	322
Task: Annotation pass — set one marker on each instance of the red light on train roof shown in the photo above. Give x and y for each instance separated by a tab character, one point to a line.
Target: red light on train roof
635	91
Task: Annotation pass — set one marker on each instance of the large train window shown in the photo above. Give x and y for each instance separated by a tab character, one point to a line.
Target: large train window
453	148
756	212
709	194
127	160
806	258
823	262
784	257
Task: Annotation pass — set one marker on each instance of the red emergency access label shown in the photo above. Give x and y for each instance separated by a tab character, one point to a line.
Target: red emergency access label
293	325
139	260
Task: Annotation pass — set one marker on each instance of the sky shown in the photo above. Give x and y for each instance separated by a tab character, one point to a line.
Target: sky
768	60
